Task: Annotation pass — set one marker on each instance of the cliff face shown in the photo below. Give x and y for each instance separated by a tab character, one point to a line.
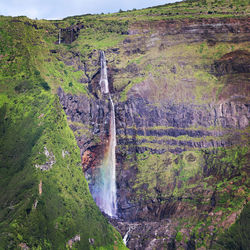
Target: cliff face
181	91
179	79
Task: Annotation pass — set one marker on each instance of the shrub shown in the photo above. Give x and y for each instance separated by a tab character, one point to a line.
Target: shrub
178	237
45	85
37	73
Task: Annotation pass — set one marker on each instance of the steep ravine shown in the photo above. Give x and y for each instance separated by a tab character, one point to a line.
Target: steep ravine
182	137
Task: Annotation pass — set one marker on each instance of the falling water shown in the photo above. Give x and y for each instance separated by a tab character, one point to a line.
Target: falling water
125	238
106	196
104	76
59	37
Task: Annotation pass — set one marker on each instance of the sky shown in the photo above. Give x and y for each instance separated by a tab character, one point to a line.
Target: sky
57	9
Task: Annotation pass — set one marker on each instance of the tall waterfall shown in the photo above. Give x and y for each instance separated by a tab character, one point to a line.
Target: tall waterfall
106	196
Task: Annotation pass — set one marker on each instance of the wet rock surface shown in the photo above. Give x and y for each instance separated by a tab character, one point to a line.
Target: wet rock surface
89	114
146	235
136	118
147	218
70	34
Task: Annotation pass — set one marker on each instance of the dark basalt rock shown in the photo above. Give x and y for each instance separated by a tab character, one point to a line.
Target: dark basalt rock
70	34
92	114
135	117
138	120
141	235
191	243
234	62
137	112
180	143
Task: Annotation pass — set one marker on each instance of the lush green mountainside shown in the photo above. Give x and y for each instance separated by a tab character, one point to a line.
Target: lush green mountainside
179	77
45	200
184	9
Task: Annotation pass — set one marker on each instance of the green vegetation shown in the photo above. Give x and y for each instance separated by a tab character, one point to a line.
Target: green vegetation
182	69
157	170
29	122
179	10
129	86
193	176
100	35
179	236
45	209
237	236
42	209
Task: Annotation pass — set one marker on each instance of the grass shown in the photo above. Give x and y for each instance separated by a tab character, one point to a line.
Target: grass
169	176
23	137
129	86
159	172
179	10
191	81
32	118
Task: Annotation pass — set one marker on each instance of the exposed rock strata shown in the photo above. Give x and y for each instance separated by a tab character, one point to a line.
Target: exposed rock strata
234	62
215	29
146	127
141	113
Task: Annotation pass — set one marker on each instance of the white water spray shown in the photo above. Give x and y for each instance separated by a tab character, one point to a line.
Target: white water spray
105	195
125	238
104	76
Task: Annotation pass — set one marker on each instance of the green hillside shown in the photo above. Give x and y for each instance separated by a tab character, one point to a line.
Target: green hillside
46	208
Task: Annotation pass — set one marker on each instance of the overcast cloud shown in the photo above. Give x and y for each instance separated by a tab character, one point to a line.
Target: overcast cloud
56	9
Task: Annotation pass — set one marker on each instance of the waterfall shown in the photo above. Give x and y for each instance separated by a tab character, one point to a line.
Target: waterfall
59	37
105	186
104	76
125	238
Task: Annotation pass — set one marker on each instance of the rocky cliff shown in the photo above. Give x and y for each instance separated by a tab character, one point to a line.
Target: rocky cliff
182	115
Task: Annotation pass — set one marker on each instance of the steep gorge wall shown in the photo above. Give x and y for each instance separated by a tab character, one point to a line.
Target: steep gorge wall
181	136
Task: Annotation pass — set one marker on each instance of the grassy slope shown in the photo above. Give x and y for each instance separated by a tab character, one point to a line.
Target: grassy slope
30	119
190	83
196	174
109	30
184	9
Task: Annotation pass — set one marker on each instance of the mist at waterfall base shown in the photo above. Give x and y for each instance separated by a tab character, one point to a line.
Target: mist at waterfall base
103	189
